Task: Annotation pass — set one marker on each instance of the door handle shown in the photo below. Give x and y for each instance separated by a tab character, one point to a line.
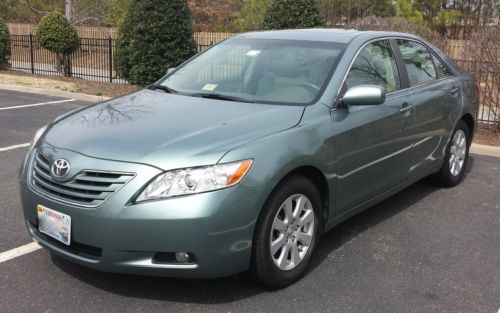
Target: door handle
405	107
454	90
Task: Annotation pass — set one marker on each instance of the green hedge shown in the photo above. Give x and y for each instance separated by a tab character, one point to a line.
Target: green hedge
154	36
4	44
284	14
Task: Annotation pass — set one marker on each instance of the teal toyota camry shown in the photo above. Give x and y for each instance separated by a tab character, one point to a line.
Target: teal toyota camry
239	159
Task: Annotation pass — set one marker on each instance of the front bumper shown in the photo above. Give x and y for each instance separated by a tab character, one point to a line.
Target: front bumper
119	236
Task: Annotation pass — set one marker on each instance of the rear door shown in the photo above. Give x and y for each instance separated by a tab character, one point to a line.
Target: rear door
435	95
371	148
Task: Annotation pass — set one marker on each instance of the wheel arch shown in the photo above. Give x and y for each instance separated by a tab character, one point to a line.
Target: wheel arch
469	121
319	180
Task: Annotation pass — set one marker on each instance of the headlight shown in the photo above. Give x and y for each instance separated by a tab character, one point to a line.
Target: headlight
195	180
37	136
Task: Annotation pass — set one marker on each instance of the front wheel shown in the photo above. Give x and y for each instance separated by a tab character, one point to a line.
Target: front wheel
457	154
286	233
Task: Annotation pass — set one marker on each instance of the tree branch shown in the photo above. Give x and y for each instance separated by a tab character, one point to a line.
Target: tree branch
35	10
90	18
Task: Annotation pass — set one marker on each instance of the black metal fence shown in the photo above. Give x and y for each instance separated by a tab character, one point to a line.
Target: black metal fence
93	60
489	91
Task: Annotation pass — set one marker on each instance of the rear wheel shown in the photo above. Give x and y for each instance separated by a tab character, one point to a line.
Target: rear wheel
457	154
286	233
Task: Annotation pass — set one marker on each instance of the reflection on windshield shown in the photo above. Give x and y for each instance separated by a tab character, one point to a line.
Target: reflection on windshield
268	71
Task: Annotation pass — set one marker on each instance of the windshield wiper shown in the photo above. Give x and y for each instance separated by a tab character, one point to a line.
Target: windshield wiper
162	87
218	96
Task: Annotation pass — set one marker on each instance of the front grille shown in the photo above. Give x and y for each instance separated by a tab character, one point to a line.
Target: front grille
87	188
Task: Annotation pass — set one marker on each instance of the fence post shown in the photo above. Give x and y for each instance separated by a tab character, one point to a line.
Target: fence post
110	59
32	61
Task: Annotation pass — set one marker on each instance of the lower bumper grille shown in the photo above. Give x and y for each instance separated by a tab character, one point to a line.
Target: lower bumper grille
76	248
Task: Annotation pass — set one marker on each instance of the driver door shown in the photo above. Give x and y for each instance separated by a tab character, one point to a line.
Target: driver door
370	143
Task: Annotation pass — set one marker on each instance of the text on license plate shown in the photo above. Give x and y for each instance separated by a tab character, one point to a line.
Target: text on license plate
54	224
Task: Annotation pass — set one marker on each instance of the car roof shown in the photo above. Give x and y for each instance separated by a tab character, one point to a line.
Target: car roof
320	34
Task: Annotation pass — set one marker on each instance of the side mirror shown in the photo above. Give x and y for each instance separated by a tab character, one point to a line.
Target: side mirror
170	70
364	95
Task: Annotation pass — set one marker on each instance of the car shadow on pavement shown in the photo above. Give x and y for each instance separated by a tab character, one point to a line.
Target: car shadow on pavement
233	288
351	228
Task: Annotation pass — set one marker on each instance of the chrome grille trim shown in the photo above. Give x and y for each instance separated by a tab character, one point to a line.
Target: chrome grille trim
89	188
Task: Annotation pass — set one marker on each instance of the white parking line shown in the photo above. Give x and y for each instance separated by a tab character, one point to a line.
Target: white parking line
15	147
36	104
19	251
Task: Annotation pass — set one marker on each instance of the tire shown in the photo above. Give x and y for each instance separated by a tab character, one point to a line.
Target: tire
448	176
284	268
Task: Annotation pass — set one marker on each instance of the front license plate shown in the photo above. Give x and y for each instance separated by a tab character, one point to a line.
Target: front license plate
55	224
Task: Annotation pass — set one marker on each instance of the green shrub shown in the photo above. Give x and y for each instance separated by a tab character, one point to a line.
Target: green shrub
4	44
55	33
154	36
283	14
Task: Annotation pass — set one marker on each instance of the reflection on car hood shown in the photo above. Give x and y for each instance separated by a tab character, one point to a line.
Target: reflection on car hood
168	131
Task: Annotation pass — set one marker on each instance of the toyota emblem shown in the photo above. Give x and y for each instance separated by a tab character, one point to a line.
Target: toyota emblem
60	168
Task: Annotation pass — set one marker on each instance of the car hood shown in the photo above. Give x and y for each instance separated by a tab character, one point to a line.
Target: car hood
166	130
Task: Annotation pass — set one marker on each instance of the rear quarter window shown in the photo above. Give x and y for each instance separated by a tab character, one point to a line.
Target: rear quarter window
441	69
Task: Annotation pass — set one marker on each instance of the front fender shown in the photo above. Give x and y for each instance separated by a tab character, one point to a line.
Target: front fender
308	144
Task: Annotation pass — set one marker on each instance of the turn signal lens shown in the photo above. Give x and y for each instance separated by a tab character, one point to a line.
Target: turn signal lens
239	173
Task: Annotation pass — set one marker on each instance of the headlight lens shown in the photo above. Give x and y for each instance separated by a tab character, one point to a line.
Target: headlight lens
37	136
195	180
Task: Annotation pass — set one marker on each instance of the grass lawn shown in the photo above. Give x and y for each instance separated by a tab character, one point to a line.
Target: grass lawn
66	84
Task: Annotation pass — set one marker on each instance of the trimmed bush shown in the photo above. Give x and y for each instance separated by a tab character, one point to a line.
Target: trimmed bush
154	36
4	45
55	33
284	14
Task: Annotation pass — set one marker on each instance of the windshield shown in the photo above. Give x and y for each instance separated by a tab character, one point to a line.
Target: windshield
259	70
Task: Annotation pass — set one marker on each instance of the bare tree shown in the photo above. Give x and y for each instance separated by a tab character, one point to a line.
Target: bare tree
77	12
69	10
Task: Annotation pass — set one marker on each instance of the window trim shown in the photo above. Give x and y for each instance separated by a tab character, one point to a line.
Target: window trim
398	71
401	71
435	56
356	56
432	53
432	60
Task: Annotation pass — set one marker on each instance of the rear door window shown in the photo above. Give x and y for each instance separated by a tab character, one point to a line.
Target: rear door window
418	62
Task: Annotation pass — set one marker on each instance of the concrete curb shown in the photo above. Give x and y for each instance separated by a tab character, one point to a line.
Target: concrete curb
55	93
485	150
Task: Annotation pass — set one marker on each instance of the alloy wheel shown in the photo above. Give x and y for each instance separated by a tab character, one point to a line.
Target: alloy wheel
292	232
457	152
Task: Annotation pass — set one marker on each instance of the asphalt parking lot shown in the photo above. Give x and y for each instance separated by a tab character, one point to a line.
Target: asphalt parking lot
423	250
